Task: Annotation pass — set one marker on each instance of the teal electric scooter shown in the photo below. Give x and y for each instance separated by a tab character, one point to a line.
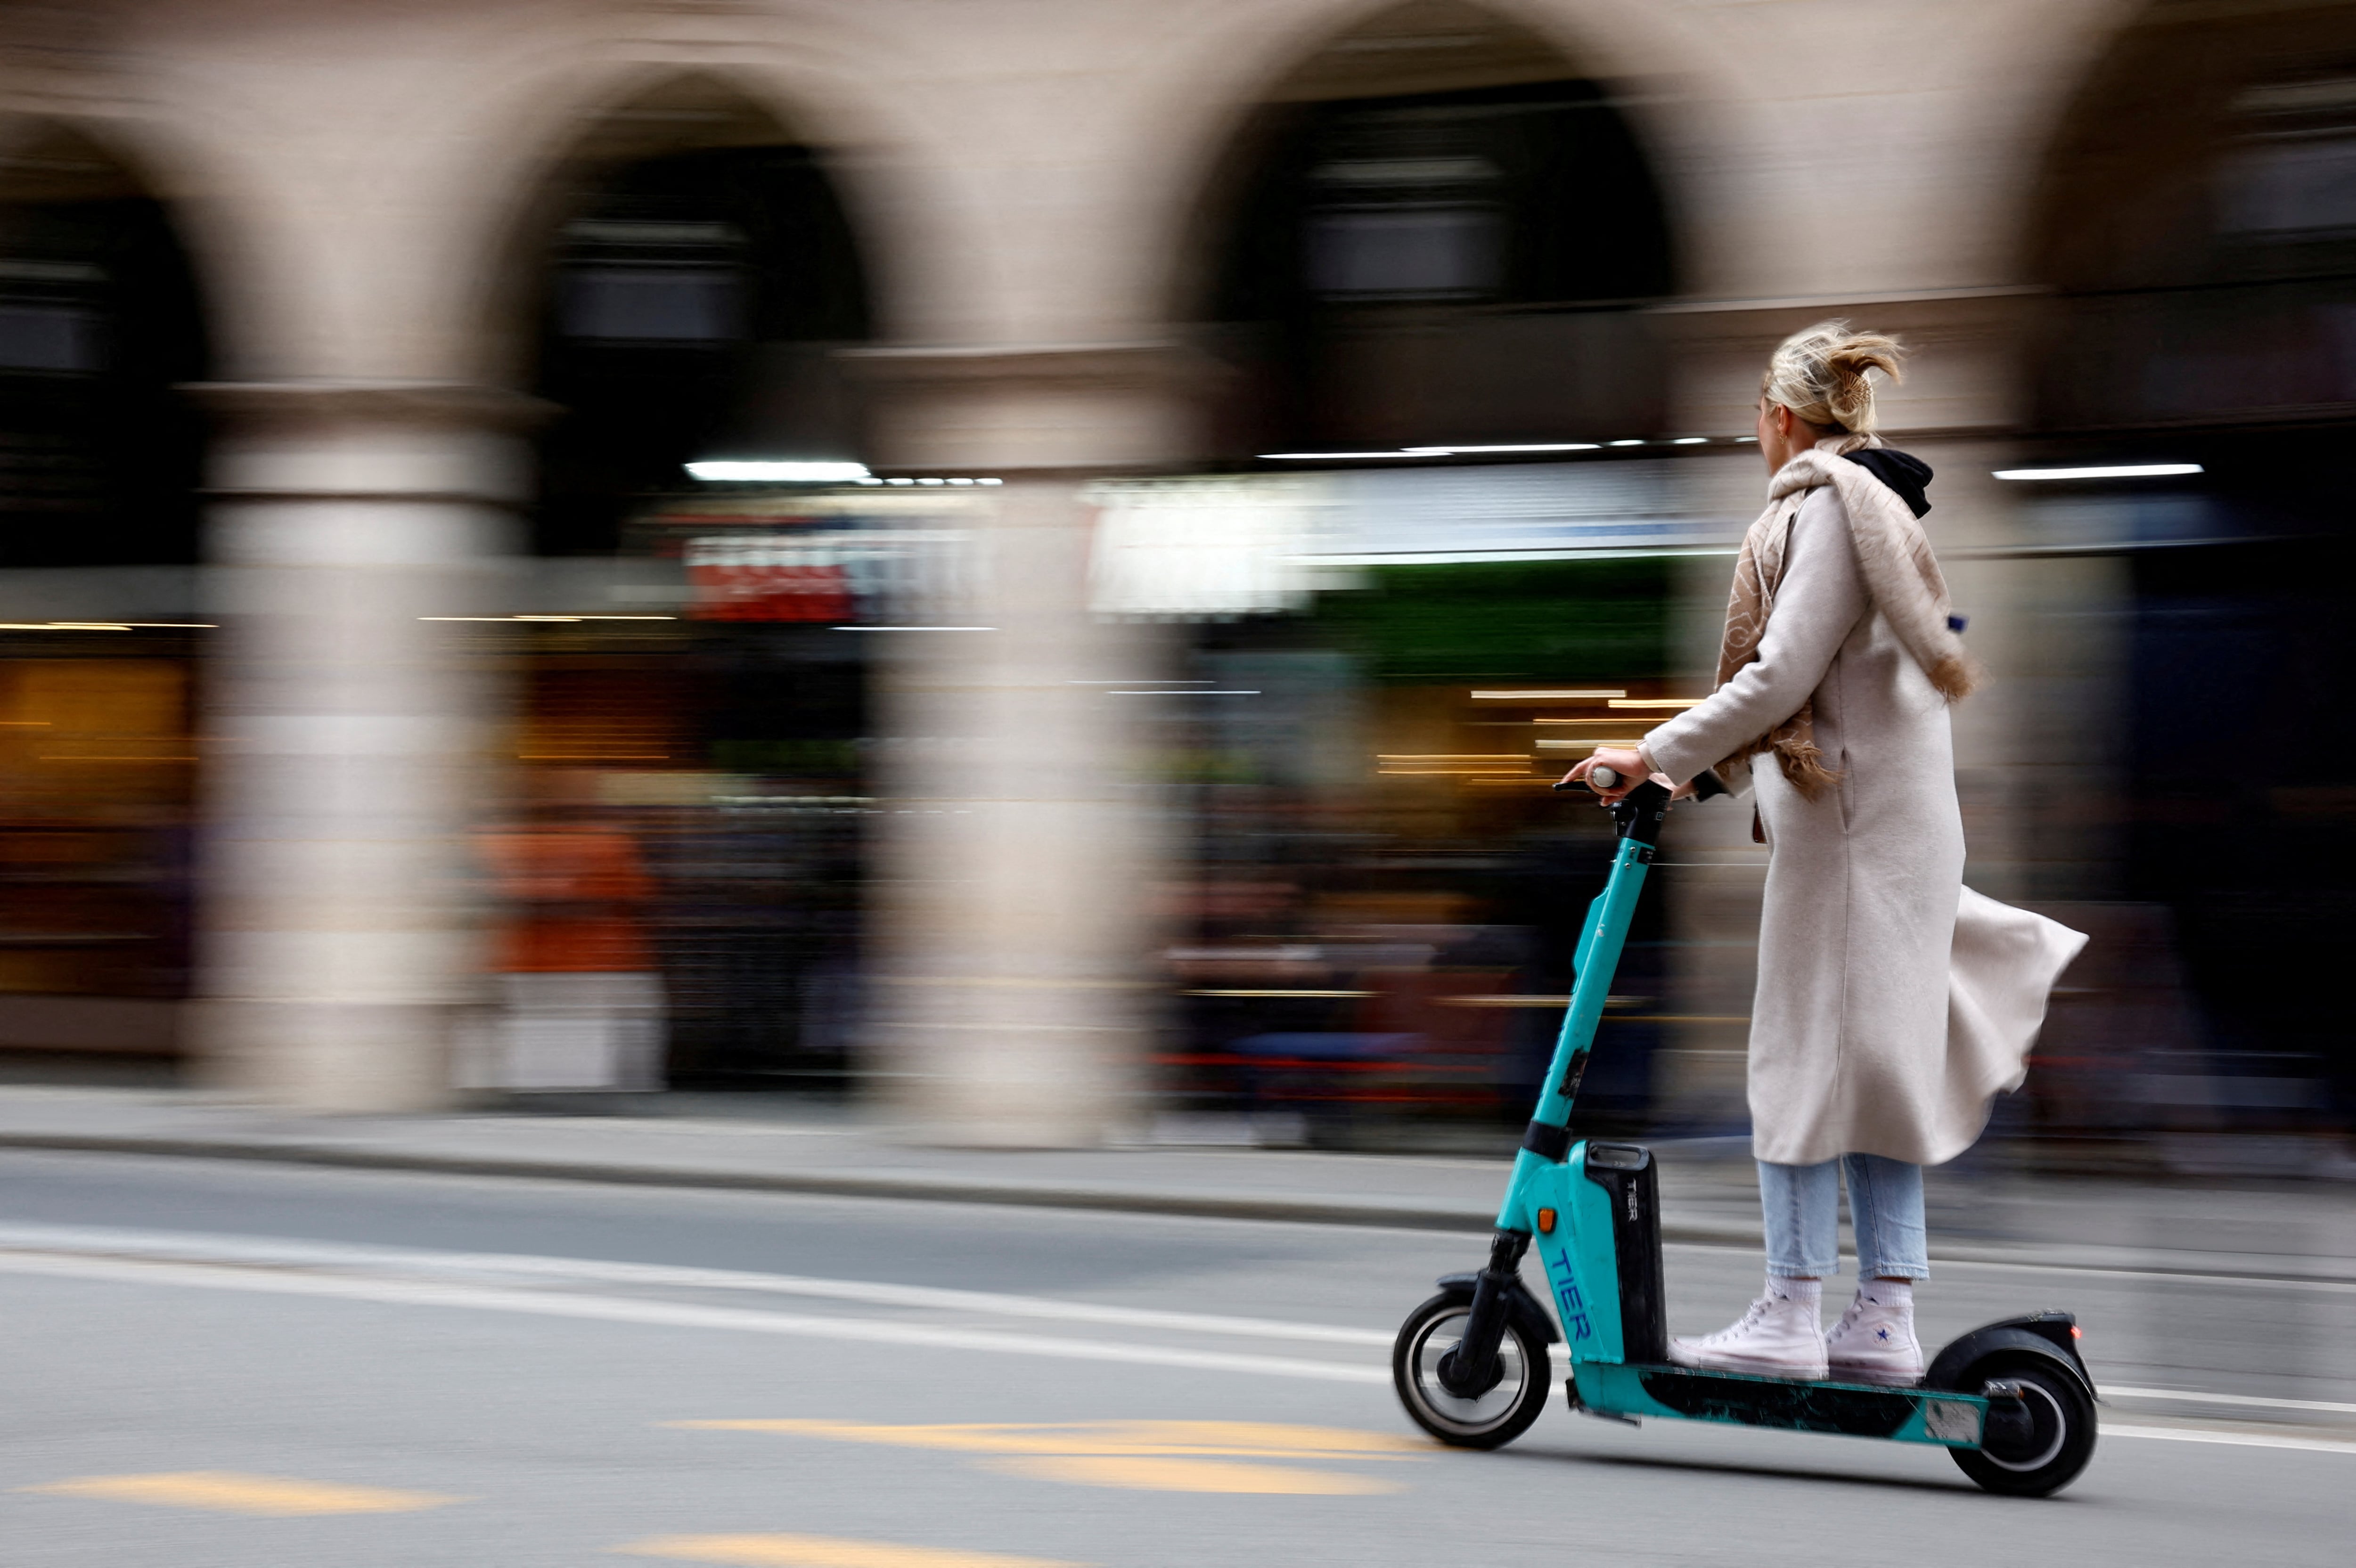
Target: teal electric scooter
2012	1401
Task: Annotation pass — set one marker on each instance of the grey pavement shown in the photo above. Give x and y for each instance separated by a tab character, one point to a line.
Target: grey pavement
1985	1209
267	1365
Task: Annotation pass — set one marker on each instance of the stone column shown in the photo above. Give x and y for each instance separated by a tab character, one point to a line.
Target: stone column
1020	846
345	733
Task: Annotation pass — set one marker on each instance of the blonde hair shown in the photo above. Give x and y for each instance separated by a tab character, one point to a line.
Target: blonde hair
1820	375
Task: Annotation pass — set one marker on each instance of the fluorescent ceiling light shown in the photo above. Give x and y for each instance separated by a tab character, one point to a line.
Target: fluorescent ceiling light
1337	456
1585	696
788	473
64	626
1400	451
1524	446
1393	455
537	620
2112	471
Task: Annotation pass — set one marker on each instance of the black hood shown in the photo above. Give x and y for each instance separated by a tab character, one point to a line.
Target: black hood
1903	472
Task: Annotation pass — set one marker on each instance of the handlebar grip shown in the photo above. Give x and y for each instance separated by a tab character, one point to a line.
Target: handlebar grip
1598	779
1604	778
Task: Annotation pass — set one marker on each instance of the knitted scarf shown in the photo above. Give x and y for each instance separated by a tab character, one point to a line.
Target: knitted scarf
1900	574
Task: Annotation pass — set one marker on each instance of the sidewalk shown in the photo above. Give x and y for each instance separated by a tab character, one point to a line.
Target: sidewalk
1989	1214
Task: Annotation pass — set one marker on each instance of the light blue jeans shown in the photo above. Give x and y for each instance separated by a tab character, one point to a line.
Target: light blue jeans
1801	1205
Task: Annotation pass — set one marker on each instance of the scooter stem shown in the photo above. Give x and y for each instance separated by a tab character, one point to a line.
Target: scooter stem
1637	818
1470	1370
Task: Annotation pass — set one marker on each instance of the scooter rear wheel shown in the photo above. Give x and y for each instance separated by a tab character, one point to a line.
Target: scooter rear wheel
1490	1420
2060	1435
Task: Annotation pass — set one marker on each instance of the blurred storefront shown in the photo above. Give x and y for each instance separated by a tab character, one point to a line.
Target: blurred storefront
2196	363
1386	673
100	644
696	695
730	738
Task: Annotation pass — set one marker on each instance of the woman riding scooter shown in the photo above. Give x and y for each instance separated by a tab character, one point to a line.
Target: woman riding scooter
1893	1002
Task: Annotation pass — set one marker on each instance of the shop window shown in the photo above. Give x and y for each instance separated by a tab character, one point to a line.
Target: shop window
697	278
100	329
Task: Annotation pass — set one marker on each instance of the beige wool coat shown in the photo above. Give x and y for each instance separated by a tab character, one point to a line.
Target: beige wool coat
1893	1002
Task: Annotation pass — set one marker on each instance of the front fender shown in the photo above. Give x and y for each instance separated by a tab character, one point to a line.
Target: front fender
1522	1308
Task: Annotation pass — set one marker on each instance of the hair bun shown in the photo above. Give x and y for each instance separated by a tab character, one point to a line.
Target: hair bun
1821	374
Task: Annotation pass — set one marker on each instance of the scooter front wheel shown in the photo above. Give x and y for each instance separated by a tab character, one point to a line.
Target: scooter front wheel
1488	1420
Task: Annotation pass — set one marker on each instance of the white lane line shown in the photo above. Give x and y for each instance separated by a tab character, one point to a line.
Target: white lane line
669	1313
274	1252
679	1315
2252	1401
2229	1439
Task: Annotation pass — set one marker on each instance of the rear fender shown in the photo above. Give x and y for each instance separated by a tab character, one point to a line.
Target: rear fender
1522	1308
2045	1335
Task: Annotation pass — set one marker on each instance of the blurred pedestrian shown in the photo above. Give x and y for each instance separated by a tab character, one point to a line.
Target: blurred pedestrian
1893	1002
581	1006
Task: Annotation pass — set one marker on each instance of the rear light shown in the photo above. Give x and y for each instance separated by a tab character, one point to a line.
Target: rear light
2076	1332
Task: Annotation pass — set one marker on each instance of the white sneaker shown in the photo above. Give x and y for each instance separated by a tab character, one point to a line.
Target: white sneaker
1874	1340
1778	1337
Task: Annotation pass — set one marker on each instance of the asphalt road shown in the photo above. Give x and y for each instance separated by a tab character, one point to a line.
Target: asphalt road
218	1364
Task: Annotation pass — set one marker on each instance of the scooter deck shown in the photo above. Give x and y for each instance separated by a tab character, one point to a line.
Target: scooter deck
1905	1414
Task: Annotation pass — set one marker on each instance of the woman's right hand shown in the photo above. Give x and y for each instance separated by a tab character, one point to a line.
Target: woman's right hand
1626	762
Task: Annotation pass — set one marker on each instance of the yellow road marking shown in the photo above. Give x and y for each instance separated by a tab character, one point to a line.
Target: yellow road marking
1193	1475
1144	1456
819	1552
225	1492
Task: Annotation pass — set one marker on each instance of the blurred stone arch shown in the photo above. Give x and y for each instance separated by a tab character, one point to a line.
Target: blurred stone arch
1435	223
679	278
675	284
2195	218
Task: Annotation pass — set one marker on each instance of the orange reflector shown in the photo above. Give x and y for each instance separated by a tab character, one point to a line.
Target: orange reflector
1546	1221
2076	1332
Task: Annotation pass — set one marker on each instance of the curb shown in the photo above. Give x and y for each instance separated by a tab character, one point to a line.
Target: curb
906	1189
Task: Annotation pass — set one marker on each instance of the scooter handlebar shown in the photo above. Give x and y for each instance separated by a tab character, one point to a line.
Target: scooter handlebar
1638	814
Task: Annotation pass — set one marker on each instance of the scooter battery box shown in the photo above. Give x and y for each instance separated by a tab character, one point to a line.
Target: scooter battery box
1627	1172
